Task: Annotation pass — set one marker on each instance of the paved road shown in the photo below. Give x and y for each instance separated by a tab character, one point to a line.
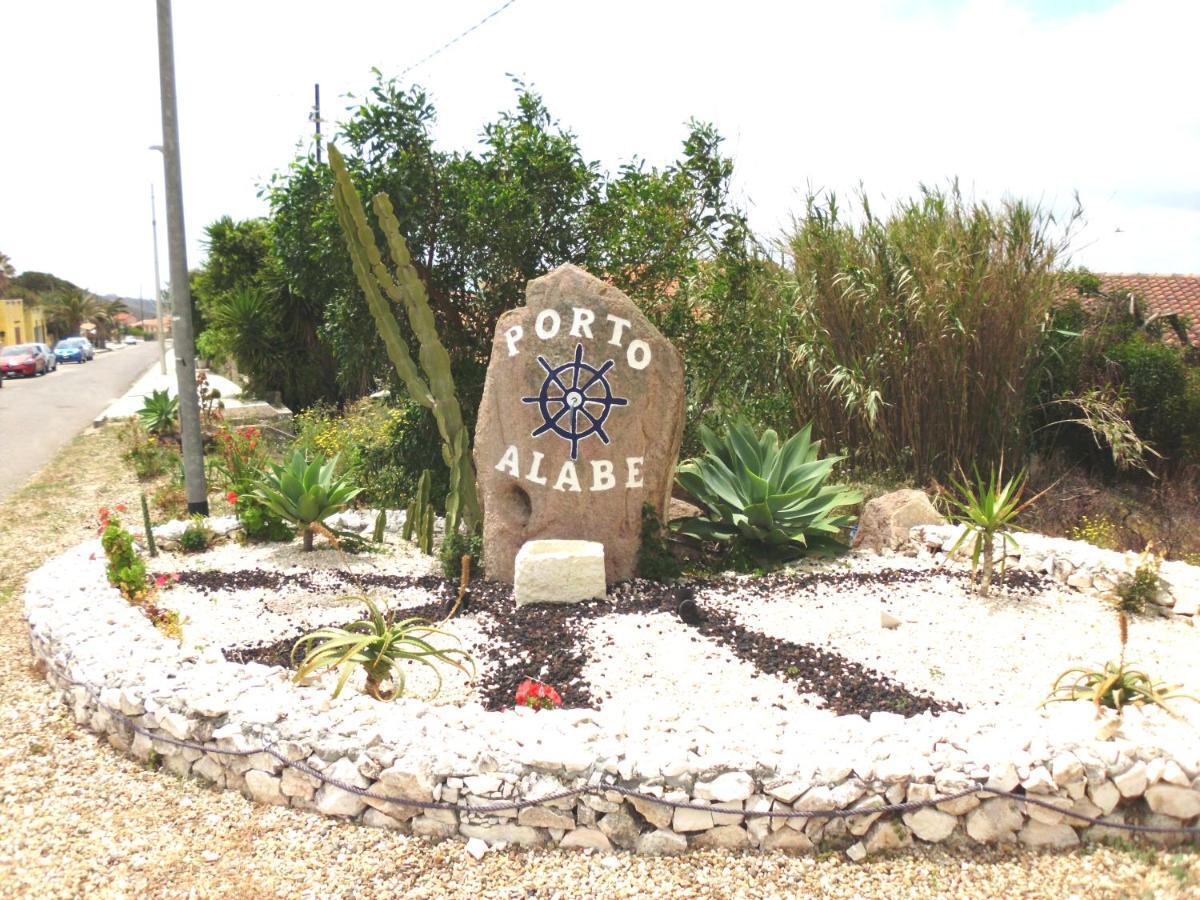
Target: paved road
39	415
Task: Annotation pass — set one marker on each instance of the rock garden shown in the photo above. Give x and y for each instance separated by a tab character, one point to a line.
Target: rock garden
590	678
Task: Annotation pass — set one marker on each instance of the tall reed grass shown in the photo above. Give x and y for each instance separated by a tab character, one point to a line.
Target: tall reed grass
912	338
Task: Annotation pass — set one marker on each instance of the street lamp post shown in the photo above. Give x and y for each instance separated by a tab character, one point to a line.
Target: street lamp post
184	342
158	310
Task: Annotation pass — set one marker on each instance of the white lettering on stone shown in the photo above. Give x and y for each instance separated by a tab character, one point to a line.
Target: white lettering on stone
534	474
638	354
568	480
633	465
508	462
511	337
602	475
547	324
581	322
619	326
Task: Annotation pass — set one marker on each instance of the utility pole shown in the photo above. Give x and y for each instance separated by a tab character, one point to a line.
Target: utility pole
158	310
181	296
316	117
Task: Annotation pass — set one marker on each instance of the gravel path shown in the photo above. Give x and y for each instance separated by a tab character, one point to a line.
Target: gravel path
77	819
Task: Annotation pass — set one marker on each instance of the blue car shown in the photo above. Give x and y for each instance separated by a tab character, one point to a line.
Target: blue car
74	349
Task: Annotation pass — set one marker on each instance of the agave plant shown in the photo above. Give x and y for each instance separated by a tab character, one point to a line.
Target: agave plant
158	413
305	493
378	645
1114	686
771	496
987	509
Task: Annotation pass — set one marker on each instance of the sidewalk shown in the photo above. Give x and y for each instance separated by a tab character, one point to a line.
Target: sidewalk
153	379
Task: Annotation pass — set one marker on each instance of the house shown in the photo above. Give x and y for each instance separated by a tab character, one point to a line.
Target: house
21	322
150	326
1163	294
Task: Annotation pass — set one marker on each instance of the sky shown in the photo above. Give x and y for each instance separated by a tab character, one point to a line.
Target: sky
1015	98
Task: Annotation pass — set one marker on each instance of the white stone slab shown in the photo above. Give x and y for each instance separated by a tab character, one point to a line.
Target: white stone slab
559	572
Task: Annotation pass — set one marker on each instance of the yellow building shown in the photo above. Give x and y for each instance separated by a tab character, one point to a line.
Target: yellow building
22	322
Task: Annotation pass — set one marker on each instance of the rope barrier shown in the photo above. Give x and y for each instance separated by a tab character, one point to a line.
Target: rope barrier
271	750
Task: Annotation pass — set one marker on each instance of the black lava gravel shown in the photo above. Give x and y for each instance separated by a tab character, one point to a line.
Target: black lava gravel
549	642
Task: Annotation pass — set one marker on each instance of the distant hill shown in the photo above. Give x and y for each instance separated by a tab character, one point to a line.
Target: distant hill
43	284
140	308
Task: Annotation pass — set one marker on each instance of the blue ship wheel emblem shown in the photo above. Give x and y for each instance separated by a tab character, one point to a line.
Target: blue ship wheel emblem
575	400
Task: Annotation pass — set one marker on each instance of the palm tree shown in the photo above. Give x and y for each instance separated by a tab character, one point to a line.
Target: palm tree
67	310
105	317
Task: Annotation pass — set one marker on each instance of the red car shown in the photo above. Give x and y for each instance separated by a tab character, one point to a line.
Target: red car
23	359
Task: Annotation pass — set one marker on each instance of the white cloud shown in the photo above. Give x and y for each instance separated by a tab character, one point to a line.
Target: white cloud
1012	99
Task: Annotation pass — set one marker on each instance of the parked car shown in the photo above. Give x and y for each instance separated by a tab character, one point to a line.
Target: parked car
24	360
74	349
130	339
51	359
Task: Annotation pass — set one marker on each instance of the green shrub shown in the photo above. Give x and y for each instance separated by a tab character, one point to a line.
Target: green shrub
259	523
770	498
125	570
655	561
386	447
197	537
455	546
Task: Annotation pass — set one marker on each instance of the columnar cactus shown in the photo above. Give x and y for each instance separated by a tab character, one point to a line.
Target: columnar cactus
418	520
432	385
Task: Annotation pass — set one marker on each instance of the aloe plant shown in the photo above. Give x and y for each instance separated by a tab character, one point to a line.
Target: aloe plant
377	645
305	493
769	495
431	385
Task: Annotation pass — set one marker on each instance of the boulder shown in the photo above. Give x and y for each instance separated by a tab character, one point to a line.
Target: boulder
580	423
886	521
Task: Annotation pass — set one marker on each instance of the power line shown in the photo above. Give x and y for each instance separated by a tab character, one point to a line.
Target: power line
453	41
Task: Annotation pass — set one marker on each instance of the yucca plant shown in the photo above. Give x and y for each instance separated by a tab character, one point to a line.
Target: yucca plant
1115	685
305	493
378	645
158	413
987	509
770	496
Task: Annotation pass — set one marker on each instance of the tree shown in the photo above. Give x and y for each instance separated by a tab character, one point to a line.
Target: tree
482	224
7	273
67	309
104	314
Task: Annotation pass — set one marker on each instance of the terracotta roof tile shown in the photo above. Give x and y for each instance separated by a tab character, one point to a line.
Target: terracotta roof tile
1162	293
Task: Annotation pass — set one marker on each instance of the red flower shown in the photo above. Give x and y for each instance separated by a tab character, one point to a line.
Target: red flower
231	496
160	580
537	695
120	507
103	513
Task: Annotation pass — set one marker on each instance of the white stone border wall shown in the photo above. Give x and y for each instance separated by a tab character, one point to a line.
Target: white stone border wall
98	651
1077	564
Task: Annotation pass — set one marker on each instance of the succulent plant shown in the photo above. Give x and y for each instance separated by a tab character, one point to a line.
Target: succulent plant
377	645
771	496
431	385
159	412
305	493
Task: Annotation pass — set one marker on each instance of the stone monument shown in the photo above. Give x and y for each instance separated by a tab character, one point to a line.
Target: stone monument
580	423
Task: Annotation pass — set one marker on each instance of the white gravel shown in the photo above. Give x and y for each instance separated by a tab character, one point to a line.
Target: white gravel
1007	649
